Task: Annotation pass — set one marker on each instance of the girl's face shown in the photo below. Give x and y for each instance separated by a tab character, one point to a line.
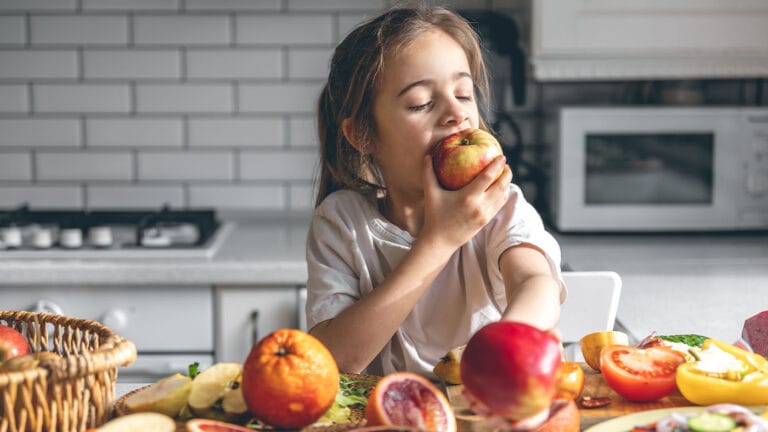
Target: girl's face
425	93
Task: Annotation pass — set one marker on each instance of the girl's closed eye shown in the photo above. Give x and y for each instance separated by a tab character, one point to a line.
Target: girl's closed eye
421	107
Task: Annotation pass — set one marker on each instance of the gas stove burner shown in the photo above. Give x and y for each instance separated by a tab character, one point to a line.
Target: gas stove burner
24	229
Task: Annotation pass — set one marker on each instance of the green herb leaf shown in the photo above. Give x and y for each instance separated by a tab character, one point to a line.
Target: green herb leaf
692	340
194	370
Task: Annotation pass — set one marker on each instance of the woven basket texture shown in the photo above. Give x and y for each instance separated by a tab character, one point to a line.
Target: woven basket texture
69	392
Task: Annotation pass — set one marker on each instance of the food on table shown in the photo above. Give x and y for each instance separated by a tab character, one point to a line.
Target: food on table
458	158
563	417
289	379
589	402
682	343
715	418
570	380
353	393
724	373
593	343
385	429
408	399
449	366
216	393
640	374
12	343
208	425
509	370
138	422
755	333
166	396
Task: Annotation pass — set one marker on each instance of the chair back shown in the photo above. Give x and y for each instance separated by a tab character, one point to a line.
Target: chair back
591	306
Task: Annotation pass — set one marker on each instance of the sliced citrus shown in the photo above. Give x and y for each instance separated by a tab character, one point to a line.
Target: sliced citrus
593	343
207	425
408	399
167	396
139	422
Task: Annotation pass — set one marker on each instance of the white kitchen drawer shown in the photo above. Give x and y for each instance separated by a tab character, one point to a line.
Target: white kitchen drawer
156	319
245	314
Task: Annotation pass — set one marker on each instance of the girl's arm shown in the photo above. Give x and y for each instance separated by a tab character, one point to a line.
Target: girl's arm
533	292
357	335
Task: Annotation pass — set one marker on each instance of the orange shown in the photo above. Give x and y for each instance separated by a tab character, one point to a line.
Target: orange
206	425
407	399
289	379
570	380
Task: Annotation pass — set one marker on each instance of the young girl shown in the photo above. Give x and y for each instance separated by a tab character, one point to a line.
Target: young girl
400	270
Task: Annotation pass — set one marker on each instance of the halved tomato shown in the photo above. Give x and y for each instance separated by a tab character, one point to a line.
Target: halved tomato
640	374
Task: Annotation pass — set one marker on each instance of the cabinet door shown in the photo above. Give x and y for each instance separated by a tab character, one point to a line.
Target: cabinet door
245	314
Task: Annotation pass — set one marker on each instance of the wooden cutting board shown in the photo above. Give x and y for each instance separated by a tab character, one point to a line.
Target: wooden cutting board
594	386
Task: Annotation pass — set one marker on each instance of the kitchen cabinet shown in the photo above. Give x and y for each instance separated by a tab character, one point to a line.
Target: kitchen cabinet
245	314
652	39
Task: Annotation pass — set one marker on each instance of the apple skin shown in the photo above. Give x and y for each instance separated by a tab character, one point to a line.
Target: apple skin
12	343
459	157
510	370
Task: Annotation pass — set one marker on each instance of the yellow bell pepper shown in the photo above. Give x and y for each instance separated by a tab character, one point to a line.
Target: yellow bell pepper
748	386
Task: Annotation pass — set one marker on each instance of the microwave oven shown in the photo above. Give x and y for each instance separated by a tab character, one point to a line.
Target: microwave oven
630	169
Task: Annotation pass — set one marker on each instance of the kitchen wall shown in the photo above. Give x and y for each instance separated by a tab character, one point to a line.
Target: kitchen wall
139	103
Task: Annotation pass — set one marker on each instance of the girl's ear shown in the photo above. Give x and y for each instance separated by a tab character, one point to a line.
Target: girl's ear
348	129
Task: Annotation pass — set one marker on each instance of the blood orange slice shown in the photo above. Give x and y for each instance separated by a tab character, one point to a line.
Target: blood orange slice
206	425
407	399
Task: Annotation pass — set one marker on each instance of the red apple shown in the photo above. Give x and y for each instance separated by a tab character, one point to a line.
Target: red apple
510	370
12	343
459	157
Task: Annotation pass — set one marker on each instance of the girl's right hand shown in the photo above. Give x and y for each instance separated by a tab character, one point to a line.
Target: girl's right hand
451	218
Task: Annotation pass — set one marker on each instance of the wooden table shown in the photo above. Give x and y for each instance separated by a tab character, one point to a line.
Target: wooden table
594	386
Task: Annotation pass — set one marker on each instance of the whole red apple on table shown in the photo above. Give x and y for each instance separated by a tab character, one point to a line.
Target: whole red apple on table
12	343
459	157
510	371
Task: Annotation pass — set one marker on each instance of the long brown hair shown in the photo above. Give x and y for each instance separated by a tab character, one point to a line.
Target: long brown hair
349	92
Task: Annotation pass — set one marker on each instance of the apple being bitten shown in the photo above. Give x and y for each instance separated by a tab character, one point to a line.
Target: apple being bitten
12	343
459	157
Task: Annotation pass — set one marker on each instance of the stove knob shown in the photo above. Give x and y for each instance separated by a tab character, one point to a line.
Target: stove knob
100	236
11	236
115	319
71	238
47	306
42	238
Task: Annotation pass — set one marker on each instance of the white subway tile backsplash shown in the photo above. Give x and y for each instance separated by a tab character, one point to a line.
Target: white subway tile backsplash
309	63
313	5
347	22
236	132
39	132
316	29
279	98
276	165
302	197
234	5
184	166
303	132
134	132
181	29
234	63
79	29
132	64
83	166
38	5
134	196
12	30
16	166
13	99
181	98
238	197
41	197
77	98
39	64
164	5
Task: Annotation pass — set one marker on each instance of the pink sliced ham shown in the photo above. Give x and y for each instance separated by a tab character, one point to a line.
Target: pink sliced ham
755	333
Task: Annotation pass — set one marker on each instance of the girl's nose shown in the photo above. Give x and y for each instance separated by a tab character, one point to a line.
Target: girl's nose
455	113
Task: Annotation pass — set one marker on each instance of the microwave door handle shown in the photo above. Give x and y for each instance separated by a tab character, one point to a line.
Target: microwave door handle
254	327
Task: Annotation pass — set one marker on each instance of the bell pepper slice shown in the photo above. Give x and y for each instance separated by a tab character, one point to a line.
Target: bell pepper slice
702	389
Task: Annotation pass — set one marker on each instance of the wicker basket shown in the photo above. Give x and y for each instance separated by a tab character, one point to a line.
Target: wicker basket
67	393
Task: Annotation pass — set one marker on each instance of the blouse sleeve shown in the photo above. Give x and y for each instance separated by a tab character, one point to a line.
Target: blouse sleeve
332	283
516	223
